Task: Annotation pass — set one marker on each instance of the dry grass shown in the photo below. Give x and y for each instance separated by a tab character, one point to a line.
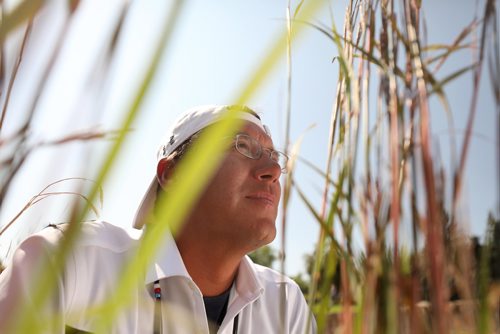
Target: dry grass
382	42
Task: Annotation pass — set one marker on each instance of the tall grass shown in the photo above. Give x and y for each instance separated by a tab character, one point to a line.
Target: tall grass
392	288
381	172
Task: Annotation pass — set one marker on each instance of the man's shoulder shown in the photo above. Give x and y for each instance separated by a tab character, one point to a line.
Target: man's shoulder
268	276
98	234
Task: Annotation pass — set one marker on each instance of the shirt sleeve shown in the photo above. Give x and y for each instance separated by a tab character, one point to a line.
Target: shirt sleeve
301	318
20	280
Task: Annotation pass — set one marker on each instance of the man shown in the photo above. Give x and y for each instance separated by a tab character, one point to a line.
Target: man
201	281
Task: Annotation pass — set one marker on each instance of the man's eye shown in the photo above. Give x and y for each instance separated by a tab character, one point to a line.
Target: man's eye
275	156
244	146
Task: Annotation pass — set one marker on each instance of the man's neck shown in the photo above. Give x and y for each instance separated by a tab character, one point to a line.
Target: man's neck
212	269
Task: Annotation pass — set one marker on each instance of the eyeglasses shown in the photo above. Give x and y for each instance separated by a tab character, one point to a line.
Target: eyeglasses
252	149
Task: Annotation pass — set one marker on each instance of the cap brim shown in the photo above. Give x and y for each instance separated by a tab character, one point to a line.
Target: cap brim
146	206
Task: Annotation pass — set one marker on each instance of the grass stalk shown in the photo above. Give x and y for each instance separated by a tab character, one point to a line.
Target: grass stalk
14	73
45	285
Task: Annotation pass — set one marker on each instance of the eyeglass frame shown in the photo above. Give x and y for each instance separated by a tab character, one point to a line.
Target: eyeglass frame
179	152
272	152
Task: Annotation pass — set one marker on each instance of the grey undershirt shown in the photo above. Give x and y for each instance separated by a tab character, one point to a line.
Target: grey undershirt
216	308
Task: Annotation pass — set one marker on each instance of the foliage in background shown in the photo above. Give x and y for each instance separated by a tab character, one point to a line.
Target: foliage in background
264	255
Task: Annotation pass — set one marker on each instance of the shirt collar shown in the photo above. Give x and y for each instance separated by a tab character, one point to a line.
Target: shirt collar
167	263
247	284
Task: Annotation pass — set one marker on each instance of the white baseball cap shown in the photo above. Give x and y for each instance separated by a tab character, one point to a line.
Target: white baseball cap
189	123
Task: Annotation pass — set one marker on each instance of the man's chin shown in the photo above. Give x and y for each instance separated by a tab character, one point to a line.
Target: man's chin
268	236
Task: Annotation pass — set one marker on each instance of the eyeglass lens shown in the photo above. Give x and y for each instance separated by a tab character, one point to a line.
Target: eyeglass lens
252	149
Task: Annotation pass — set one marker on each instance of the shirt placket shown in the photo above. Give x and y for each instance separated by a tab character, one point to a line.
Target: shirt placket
198	309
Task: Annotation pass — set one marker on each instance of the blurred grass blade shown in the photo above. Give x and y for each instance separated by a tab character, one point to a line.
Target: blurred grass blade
24	11
201	160
14	74
27	324
45	193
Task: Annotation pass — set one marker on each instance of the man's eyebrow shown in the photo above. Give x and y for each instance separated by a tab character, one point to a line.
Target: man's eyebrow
272	147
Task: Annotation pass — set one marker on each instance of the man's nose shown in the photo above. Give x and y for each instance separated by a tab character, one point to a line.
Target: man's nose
268	169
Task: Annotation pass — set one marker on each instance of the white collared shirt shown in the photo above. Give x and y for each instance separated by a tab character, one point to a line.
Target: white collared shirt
93	269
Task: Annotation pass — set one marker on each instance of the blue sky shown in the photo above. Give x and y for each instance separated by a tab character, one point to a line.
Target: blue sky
215	48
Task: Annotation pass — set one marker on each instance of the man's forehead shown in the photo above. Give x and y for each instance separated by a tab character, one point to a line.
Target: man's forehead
256	132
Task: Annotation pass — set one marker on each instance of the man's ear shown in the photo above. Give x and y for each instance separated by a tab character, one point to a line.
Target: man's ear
164	171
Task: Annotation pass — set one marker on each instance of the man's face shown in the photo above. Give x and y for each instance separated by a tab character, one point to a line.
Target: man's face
240	204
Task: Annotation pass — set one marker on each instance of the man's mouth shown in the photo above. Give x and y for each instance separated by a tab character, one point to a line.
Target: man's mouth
264	197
